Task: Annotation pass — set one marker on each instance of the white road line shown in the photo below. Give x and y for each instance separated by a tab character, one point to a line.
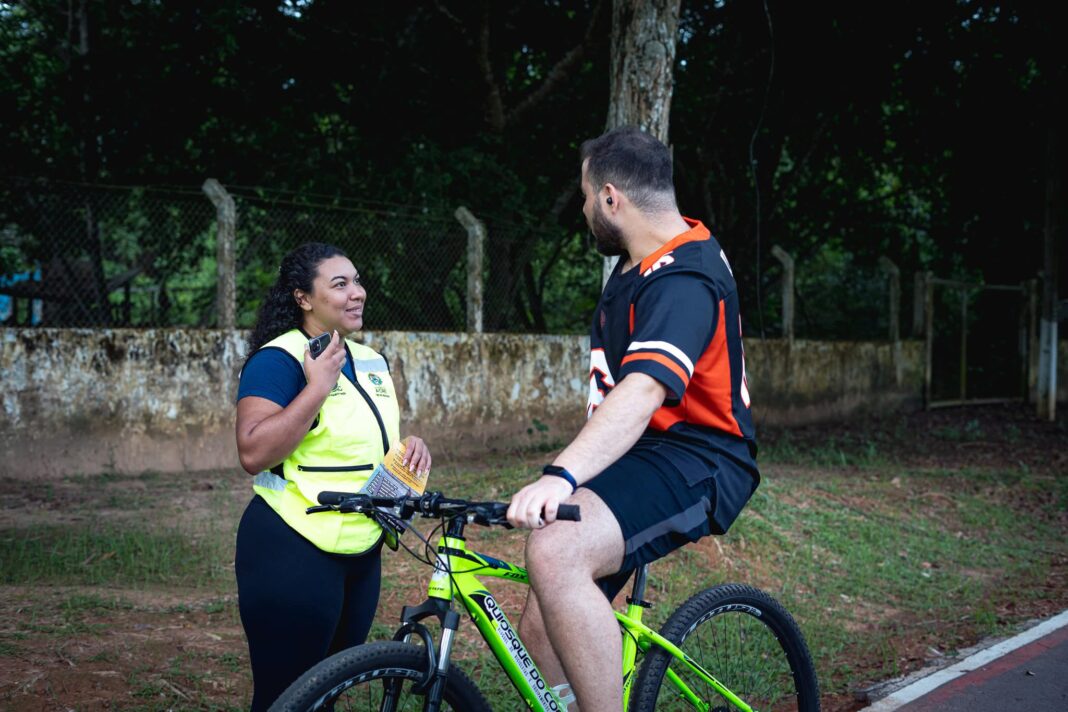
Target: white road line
937	679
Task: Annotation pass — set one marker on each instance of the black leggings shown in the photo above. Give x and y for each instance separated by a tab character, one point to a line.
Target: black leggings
298	603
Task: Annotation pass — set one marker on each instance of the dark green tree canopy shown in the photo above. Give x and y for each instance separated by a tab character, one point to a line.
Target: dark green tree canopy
840	131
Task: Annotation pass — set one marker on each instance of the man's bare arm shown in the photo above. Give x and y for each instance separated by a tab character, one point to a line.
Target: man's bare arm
614	428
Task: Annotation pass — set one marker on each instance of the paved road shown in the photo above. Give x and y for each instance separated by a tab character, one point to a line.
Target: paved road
1026	672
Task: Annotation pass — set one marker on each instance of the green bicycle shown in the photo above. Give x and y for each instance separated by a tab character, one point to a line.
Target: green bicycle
729	647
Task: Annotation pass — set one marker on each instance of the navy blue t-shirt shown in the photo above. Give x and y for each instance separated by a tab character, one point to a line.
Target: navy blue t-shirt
273	374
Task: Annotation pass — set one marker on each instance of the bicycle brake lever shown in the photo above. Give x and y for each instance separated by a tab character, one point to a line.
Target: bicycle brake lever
318	508
483	520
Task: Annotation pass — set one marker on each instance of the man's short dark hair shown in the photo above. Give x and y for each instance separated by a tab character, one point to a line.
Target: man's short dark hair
635	162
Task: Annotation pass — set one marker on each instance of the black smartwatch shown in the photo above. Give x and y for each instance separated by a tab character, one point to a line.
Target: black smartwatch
557	471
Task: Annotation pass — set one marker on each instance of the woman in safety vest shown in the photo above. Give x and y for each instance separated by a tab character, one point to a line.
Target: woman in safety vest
308	585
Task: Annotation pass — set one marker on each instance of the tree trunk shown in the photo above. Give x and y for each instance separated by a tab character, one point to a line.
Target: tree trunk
642	76
642	65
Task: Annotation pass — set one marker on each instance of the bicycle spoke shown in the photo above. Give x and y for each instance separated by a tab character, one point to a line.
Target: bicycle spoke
377	677
386	695
733	633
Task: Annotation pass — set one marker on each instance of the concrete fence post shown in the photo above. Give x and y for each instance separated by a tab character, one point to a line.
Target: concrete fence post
787	291
1046	381
225	237
919	293
963	344
607	266
928	327
476	239
1032	340
894	275
1022	341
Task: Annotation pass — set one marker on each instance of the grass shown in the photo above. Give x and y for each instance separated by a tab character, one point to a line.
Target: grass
877	559
92	554
862	561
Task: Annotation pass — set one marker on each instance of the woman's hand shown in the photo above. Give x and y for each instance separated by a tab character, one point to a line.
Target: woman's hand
322	372
416	455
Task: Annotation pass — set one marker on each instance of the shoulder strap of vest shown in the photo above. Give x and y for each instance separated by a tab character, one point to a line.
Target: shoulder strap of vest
364	358
292	342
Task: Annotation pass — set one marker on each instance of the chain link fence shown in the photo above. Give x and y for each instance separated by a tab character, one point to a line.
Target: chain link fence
412	265
74	255
832	296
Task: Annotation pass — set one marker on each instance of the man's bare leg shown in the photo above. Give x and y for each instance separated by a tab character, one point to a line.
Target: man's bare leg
536	639
564	559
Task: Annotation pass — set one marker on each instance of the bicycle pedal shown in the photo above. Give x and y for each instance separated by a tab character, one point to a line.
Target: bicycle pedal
567	699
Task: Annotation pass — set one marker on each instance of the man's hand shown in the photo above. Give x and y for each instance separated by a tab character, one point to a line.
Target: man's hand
535	505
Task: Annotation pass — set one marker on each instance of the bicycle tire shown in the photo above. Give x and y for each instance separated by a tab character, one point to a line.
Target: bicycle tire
746	640
349	681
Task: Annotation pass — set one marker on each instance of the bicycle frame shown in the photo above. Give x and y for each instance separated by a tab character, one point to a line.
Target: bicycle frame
456	577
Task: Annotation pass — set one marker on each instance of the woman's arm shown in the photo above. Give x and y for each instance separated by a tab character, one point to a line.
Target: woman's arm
266	432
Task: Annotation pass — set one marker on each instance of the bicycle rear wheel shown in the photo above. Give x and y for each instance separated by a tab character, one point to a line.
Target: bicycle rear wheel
376	676
742	637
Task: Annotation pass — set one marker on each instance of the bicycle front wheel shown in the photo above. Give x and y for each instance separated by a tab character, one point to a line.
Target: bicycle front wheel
384	677
746	640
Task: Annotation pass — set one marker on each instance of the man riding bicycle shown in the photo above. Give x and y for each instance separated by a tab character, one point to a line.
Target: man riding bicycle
667	455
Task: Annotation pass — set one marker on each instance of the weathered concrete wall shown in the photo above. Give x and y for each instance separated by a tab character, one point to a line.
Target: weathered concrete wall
810	381
89	400
459	390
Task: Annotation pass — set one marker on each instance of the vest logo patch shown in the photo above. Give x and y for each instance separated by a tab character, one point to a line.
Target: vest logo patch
337	390
380	390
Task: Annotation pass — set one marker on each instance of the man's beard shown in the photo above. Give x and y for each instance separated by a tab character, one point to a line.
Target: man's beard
608	238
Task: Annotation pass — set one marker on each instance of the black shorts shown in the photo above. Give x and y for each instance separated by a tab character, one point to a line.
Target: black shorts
664	499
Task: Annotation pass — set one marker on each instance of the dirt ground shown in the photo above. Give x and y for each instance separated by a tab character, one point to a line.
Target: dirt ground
996	438
158	647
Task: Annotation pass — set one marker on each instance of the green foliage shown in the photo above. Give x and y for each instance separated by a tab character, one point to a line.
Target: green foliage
919	134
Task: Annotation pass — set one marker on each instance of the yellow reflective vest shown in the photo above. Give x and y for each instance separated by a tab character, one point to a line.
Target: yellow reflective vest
349	438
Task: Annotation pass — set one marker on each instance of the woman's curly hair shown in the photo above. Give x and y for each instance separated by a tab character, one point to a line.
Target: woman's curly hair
280	312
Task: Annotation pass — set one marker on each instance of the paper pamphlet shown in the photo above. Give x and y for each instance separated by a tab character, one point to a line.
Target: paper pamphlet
392	478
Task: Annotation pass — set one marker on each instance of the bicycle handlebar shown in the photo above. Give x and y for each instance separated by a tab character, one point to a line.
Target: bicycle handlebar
430	505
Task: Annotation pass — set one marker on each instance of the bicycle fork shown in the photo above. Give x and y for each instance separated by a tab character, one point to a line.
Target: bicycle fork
437	668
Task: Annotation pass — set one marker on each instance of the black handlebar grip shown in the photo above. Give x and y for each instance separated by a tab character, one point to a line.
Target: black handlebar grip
334	497
569	512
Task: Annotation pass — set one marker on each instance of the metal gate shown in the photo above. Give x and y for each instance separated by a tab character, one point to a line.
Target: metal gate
980	341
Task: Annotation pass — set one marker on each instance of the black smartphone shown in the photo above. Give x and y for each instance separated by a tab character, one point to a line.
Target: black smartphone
318	344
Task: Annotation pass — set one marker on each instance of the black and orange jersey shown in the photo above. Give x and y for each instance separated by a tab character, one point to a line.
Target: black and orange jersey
675	317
